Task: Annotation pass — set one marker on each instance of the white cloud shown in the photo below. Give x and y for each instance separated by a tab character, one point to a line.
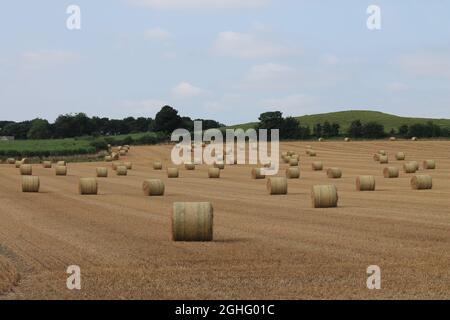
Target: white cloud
47	59
270	75
186	90
248	46
435	64
200	4
397	87
157	33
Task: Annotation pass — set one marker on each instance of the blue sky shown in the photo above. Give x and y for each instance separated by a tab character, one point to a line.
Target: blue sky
224	59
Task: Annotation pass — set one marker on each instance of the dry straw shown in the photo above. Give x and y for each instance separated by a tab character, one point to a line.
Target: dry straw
400	156
192	221
384	159
324	196
365	183
189	166
26	170
129	165
61	163
421	182
18	164
172	172
334	173
287	159
317	166
220	166
153	187
257	173
409	167
10	161
382	152
293	162
88	186
102	172
391	172
157	165
277	185
61	170
214	173
429	164
30	184
47	164
121	171
293	173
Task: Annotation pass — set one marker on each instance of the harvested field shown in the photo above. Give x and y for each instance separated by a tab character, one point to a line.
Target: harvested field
264	247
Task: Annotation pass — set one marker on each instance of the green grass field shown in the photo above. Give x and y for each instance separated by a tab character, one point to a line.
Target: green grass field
344	118
51	147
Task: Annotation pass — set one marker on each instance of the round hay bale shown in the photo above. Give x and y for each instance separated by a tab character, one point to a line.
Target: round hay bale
172	172
153	187
47	164
317	166
409	167
392	138
108	158
18	164
287	159
416	164
429	164
123	152
192	221
376	157
157	165
290	153
391	172
61	163
365	183
121	171
347	139
414	139
102	172
293	173
382	152
334	173
421	182
284	154
30	184
324	196
10	161
400	156
277	185
189	166
321	139
61	170
384	159
257	174
312	153
293	162
88	186
26	170
129	165
267	165
220	166
295	156
115	156
308	151
214	173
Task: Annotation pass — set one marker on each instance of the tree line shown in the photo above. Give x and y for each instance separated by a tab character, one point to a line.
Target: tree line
78	125
291	129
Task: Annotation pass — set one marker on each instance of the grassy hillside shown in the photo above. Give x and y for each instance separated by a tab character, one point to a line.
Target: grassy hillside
344	118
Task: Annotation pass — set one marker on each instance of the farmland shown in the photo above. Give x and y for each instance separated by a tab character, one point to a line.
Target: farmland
345	118
265	247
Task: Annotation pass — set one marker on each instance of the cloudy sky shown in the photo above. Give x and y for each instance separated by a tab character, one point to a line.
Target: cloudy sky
224	59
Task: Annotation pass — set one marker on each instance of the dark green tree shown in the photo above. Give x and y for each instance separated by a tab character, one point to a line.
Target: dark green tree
167	120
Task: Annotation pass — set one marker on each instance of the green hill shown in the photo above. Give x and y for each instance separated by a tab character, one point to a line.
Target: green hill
344	118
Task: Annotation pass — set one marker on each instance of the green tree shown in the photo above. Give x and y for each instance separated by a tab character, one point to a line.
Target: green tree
355	129
40	129
167	120
271	120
